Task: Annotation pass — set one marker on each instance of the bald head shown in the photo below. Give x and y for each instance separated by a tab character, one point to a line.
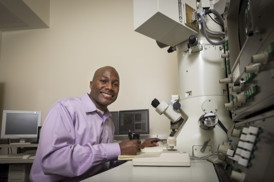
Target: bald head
99	71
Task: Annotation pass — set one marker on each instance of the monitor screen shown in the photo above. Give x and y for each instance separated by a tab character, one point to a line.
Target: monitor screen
136	121
115	119
20	124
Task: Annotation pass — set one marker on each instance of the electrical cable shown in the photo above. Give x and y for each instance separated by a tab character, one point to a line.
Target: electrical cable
218	16
205	33
214	34
210	33
214	20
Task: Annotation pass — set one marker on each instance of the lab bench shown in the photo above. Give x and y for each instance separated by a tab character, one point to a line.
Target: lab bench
200	170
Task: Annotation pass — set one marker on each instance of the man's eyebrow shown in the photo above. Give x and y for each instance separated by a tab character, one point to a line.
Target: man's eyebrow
116	81
103	76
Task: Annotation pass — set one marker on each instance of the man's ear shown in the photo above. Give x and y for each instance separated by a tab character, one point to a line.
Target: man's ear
90	84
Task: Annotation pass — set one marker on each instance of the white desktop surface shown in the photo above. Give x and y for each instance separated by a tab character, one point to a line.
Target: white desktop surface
200	170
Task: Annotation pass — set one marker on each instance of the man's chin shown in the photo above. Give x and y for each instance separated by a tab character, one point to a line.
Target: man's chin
107	102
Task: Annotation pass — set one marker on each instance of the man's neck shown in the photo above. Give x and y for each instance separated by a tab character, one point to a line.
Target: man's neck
103	110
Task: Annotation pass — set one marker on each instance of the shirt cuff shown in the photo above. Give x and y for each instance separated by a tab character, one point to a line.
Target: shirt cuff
112	150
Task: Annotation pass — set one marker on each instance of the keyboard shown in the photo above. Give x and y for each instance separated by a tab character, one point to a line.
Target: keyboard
14	156
20	143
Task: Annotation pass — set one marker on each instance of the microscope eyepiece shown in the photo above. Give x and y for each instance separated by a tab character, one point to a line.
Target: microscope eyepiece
155	103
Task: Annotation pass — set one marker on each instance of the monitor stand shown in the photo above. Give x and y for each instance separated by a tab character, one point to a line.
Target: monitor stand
21	141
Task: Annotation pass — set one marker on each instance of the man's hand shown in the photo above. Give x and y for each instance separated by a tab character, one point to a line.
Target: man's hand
151	142
130	147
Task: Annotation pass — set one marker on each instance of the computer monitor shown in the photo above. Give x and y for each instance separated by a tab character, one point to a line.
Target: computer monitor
136	121
20	124
115	119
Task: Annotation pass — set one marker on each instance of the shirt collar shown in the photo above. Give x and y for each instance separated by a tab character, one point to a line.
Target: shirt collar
90	106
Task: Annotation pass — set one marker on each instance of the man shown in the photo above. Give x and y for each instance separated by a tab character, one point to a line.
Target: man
77	134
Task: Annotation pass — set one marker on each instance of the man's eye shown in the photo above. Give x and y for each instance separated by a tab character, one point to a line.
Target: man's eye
103	81
116	84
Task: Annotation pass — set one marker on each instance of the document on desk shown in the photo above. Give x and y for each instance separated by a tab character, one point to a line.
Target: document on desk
144	150
126	157
165	158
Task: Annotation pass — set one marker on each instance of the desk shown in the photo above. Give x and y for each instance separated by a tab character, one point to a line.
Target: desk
18	169
200	170
16	161
18	145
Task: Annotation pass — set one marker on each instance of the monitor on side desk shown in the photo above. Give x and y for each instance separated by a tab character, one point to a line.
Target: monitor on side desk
20	124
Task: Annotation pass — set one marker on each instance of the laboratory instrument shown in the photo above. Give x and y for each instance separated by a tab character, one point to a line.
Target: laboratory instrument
224	108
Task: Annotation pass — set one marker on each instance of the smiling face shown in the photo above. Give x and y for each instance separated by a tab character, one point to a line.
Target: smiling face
104	87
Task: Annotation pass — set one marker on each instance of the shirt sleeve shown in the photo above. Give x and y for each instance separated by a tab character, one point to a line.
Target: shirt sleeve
61	155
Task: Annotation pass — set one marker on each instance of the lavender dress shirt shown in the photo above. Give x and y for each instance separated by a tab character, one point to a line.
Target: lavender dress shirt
75	143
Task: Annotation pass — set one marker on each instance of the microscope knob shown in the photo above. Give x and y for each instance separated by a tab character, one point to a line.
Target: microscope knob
176	106
192	40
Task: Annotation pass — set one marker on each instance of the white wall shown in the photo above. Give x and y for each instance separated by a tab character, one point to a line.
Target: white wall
37	67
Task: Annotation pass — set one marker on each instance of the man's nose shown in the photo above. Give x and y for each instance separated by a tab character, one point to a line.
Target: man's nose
109	86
